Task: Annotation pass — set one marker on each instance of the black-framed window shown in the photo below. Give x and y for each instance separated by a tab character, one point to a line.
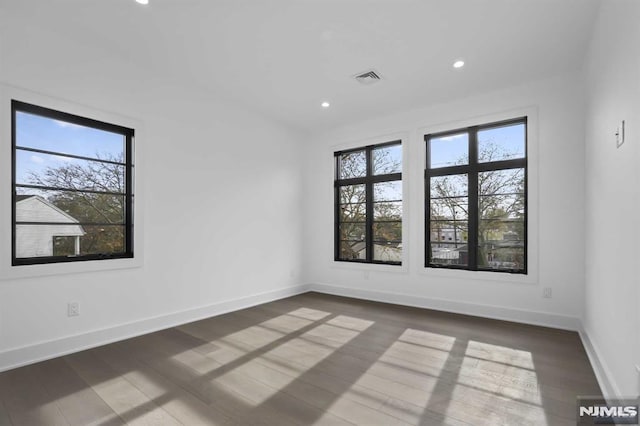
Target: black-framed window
72	187
476	198
368	204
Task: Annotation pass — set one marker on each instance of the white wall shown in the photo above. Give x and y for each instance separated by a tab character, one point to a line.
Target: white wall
221	192
556	216
612	202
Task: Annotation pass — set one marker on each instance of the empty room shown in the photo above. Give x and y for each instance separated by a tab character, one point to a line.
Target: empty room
305	212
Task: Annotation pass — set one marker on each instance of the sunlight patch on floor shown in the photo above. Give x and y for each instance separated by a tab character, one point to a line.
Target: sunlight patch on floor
408	370
303	349
427	339
501	354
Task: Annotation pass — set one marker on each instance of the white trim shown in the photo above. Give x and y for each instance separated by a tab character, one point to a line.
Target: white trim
7	271
603	374
18	357
545	319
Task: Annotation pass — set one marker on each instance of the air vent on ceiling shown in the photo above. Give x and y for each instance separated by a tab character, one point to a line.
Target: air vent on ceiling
368	77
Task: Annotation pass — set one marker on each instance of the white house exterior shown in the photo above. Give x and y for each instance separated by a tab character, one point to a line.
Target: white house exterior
385	253
38	240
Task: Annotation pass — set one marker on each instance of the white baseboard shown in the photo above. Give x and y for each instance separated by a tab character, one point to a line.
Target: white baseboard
603	374
608	386
18	357
487	311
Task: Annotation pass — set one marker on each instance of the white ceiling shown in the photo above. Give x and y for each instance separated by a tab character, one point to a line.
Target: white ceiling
284	57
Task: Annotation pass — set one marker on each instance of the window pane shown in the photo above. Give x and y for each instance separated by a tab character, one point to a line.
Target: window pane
37	240
69	207
352	194
67	240
501	229
352	231
449	232
501	194
353	212
391	210
387	231
505	255
501	206
449	208
444	253
449	150
449	186
387	251
64	246
501	143
387	191
35	131
102	240
352	164
510	181
354	249
387	160
63	172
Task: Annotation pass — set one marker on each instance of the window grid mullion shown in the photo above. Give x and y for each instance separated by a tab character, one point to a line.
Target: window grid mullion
369	205
472	240
62	154
128	203
427	209
336	213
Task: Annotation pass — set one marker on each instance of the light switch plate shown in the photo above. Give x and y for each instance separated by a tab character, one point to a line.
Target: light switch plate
620	135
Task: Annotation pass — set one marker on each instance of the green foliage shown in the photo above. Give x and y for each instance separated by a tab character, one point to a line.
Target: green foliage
388	215
500	209
107	210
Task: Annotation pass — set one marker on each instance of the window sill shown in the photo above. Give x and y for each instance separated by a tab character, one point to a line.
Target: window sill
373	267
9	272
463	274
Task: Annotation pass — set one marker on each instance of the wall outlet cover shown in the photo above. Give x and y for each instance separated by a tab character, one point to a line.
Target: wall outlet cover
73	309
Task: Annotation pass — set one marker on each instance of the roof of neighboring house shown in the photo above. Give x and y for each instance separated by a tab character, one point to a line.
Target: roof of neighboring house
23	197
359	246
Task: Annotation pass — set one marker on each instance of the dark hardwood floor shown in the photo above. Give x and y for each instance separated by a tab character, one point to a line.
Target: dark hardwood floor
313	359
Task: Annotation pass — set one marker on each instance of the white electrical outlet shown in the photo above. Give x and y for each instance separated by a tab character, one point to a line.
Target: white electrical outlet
546	292
638	370
73	309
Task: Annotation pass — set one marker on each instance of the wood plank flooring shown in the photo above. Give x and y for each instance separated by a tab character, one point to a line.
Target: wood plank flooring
313	359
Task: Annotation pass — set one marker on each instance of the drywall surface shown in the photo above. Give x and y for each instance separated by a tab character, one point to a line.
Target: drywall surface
220	187
612	200
556	216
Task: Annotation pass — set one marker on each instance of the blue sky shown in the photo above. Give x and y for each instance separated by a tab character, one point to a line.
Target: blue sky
38	132
448	150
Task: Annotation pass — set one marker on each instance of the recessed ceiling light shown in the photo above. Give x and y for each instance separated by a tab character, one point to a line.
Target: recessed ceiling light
458	64
325	104
143	1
